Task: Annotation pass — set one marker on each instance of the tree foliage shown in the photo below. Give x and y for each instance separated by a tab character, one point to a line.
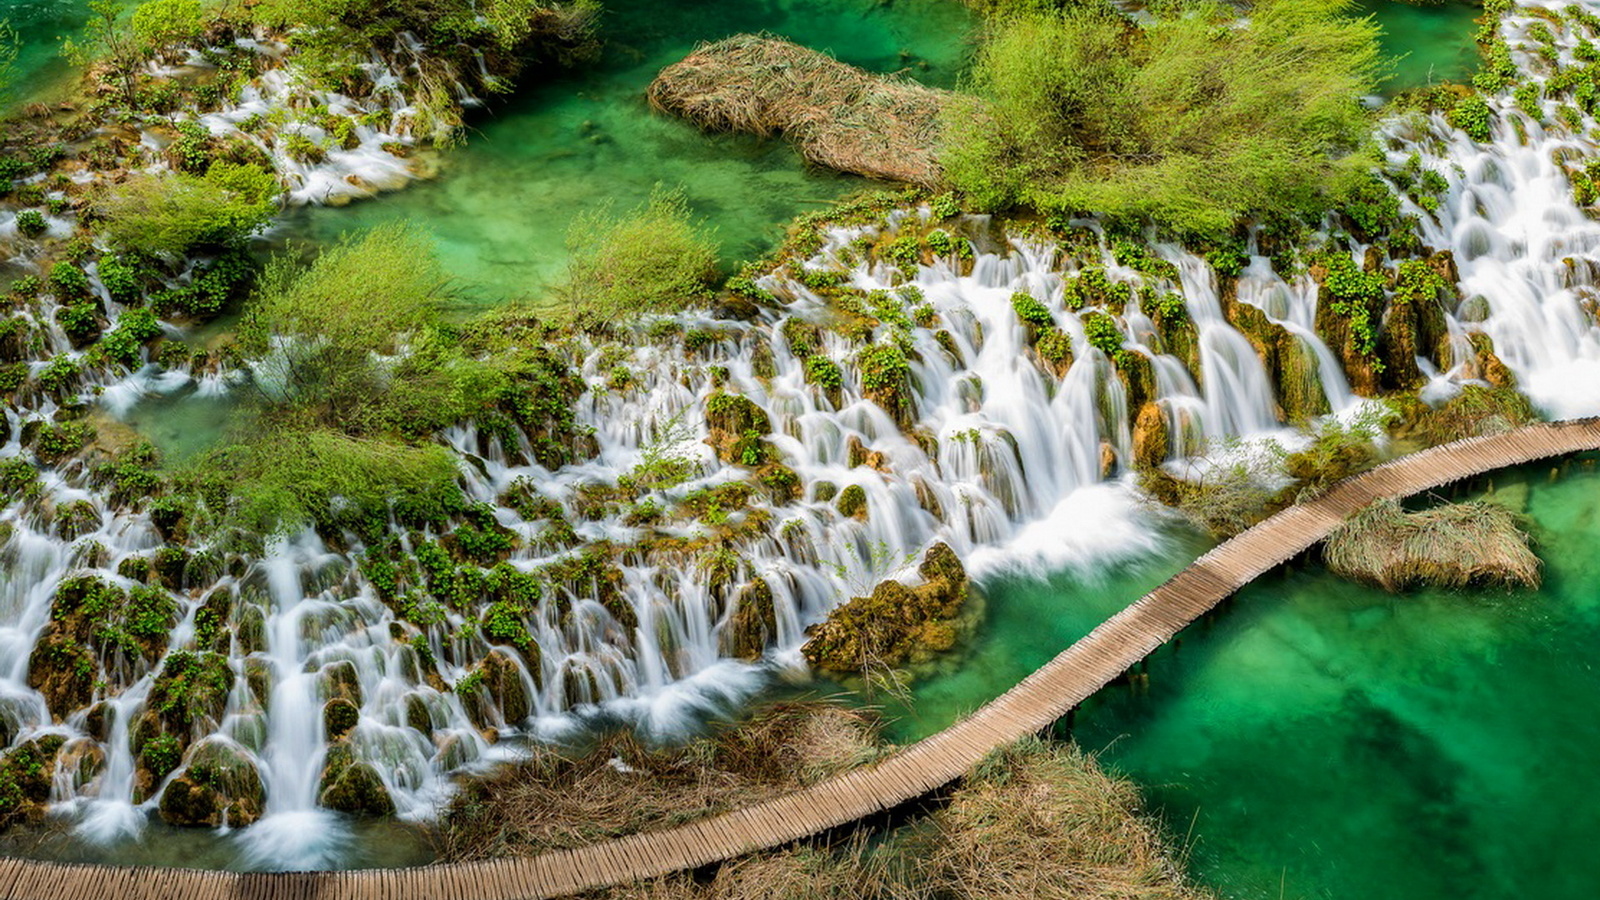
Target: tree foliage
1192	120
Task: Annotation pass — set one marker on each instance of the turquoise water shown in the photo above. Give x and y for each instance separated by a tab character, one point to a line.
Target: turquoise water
40	25
565	144
1428	42
1320	739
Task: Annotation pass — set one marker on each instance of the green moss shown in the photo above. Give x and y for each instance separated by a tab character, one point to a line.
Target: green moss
852	502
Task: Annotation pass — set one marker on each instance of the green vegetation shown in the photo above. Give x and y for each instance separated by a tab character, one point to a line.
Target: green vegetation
1192	121
175	214
654	259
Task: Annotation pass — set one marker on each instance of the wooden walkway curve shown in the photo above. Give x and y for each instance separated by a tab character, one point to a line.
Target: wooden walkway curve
1033	704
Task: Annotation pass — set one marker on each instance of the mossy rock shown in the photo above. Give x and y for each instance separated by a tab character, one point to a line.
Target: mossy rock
896	625
730	418
852	502
339	680
338	717
190	691
754	621
351	786
219	785
1488	364
495	684
63	670
27	773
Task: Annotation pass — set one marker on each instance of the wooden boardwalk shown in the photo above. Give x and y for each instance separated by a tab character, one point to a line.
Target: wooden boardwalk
1041	698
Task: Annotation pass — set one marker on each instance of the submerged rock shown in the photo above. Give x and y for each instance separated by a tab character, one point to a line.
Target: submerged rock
895	625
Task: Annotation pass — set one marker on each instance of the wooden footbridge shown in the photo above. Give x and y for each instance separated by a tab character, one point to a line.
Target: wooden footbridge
1040	699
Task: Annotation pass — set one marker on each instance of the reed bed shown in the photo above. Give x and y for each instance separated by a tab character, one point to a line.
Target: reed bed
552	799
1455	545
837	115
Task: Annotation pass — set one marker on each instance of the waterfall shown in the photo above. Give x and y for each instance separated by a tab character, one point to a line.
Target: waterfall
1009	438
1525	250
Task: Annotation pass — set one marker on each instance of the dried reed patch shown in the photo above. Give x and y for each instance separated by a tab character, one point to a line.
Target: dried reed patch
552	800
838	116
1455	545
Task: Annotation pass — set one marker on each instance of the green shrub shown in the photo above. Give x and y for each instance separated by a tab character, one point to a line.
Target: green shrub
1472	115
174	214
1030	311
1103	333
1191	120
31	223
135	328
69	281
653	259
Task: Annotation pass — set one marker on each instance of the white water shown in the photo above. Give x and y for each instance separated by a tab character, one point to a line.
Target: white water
1015	479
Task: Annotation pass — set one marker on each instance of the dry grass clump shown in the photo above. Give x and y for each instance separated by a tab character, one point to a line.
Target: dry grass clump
837	115
1043	820
1455	545
1035	820
552	800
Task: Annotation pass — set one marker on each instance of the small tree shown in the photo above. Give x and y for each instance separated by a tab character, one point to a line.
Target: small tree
110	38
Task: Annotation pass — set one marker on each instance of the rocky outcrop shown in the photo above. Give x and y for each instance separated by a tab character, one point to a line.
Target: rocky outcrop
895	625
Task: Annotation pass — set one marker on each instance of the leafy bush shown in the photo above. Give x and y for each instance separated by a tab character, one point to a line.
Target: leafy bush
1472	115
1030	311
653	259
175	213
31	223
1193	120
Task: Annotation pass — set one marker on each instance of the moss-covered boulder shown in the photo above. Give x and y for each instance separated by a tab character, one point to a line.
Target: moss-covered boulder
852	502
26	774
1487	365
338	717
495	686
218	785
885	373
1290	362
98	633
895	625
734	420
191	691
753	624
352	786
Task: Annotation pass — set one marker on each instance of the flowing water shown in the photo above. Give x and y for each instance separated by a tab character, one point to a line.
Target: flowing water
1015	476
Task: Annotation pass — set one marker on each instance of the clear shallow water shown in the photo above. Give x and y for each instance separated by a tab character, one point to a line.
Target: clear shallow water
568	143
1320	739
40	70
1428	43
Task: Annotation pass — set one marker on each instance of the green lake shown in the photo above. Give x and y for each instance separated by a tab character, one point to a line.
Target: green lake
1316	738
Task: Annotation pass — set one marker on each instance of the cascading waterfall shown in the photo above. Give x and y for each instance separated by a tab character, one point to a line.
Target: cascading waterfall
995	449
1525	251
